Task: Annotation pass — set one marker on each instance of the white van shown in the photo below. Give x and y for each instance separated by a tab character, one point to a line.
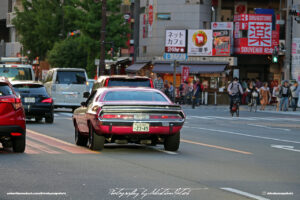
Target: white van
17	72
66	86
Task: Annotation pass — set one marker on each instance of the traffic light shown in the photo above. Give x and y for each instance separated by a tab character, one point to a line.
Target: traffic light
275	55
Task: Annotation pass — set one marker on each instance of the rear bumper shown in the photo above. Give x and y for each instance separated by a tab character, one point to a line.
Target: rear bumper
38	111
7	130
117	128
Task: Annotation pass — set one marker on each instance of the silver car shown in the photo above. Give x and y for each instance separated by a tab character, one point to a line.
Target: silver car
66	86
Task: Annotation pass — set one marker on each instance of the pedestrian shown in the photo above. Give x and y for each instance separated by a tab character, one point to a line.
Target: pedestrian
159	83
249	91
258	83
185	92
235	90
196	93
284	94
171	91
166	87
295	95
265	96
275	94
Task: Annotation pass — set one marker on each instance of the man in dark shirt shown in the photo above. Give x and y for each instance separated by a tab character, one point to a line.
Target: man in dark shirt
284	94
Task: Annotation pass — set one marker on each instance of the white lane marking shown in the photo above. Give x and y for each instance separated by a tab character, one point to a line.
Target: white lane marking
242	134
246	194
289	148
243	118
262	126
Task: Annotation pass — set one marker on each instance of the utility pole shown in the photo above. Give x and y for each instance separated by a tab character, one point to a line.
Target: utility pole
288	41
102	40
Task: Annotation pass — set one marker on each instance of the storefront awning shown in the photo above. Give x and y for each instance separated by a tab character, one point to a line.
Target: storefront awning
164	68
195	68
135	67
205	69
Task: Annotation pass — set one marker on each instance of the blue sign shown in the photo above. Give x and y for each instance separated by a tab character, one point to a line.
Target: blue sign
175	56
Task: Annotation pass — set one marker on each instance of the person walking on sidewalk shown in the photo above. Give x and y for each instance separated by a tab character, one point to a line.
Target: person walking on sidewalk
295	89
159	83
265	96
284	94
275	94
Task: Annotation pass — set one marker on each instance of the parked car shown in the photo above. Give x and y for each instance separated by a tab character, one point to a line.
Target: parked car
128	115
66	86
15	72
90	84
123	80
36	101
12	118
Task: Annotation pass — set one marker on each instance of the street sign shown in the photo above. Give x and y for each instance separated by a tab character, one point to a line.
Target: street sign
175	56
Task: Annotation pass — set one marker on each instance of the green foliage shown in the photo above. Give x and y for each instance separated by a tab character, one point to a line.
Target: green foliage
45	23
68	53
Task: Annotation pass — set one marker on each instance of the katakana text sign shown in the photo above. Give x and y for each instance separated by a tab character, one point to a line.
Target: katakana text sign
175	41
260	34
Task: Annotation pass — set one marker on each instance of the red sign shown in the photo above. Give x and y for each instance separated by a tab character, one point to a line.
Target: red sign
221	43
185	72
261	39
150	15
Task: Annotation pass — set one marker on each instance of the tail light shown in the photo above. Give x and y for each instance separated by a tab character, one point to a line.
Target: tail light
48	100
16	102
117	116
165	117
16	134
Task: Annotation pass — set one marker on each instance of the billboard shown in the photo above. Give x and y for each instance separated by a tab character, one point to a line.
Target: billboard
221	43
200	42
175	41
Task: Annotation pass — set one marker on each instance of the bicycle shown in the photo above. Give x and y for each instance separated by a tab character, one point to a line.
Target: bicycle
253	101
235	106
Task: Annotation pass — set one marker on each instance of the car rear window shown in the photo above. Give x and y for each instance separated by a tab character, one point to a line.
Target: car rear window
71	77
16	73
134	96
5	90
129	82
31	89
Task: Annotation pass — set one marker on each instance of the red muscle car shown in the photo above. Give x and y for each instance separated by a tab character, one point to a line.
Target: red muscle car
128	115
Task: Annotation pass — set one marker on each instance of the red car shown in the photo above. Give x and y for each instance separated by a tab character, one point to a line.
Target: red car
128	115
12	118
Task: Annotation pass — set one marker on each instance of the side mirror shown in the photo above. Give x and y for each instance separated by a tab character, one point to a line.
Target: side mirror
86	95
83	104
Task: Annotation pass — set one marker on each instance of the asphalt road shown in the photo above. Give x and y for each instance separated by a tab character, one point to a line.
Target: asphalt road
255	156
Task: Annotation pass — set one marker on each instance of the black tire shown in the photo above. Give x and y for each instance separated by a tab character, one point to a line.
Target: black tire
50	119
95	142
172	142
19	144
38	119
80	140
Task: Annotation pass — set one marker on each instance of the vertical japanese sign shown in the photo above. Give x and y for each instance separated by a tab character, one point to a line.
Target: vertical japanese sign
200	42
144	26
296	59
150	18
175	41
185	72
221	43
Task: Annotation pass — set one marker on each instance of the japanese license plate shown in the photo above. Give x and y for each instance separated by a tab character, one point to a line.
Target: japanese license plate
29	100
141	127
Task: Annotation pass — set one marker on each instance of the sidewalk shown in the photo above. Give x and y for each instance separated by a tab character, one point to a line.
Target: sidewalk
268	109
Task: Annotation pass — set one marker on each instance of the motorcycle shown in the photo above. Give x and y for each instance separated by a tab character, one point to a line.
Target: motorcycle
235	106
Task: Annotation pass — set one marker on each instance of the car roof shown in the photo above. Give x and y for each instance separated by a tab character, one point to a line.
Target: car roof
16	65
26	82
122	77
68	69
125	88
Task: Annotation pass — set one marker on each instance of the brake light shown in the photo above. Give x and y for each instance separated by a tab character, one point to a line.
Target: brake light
16	102
117	116
106	82
48	100
165	117
16	134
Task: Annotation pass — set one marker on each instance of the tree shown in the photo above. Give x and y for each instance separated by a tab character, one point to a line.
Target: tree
39	25
86	16
68	53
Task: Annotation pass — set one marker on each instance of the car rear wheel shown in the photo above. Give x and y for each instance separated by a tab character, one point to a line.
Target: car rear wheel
50	119
80	140
19	144
95	142
172	142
